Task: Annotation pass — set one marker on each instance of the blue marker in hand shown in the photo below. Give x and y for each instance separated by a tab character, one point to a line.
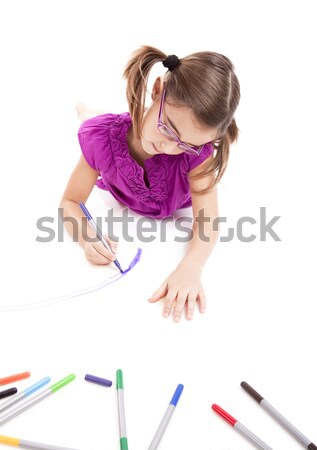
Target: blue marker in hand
94	226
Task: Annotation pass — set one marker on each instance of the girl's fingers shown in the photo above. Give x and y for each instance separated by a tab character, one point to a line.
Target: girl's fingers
180	303
102	250
113	244
191	303
95	257
202	301
168	302
159	293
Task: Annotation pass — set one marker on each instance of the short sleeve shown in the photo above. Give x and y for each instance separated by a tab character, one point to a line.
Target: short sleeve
93	136
192	161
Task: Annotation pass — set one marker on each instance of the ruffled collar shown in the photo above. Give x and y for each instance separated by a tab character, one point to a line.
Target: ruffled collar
157	167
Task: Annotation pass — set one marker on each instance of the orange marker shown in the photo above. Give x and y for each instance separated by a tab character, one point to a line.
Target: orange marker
13	378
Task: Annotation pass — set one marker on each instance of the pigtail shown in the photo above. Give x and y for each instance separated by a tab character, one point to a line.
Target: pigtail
136	72
219	162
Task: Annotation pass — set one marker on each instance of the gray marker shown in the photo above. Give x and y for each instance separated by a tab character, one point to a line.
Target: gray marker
241	428
35	399
29	444
167	417
21	395
121	411
307	443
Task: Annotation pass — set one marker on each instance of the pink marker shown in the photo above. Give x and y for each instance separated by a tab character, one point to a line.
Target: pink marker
241	428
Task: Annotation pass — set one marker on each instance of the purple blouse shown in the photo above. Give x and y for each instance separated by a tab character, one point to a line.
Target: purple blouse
103	140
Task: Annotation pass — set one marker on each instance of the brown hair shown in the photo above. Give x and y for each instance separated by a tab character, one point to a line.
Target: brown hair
203	81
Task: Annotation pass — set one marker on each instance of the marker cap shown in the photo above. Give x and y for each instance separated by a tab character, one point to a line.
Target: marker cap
37	386
257	397
13	378
224	414
119	379
312	447
55	387
8	392
124	444
9	441
98	380
177	395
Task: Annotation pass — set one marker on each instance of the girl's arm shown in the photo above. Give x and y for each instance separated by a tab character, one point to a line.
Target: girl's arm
78	188
183	287
205	211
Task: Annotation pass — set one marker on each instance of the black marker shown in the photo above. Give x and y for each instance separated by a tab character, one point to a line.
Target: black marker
307	443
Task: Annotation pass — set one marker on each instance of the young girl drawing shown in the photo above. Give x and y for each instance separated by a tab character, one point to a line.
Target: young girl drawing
158	159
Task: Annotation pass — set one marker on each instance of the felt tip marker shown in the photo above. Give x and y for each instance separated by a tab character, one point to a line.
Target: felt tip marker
166	418
35	399
13	378
307	443
14	442
241	428
21	395
95	227
121	411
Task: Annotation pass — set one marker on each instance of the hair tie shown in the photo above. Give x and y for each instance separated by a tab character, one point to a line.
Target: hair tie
171	62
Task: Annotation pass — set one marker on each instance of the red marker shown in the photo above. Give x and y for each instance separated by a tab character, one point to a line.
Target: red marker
13	378
241	428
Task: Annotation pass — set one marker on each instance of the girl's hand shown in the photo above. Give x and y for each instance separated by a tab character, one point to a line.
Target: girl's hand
96	252
181	289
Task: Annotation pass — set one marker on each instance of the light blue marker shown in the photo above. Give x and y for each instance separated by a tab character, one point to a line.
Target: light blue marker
21	395
35	399
167	417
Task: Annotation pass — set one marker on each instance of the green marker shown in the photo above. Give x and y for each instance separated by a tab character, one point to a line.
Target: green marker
121	412
33	400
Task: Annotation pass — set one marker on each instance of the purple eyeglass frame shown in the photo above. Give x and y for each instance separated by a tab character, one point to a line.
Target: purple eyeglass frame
191	150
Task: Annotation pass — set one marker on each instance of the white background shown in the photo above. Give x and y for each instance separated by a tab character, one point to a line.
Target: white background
260	321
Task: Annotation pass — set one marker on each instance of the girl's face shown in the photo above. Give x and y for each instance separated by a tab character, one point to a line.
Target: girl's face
180	120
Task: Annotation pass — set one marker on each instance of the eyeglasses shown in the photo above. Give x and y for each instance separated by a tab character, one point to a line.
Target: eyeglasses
191	149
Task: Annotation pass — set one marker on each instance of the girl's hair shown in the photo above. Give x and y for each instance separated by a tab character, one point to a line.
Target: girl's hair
205	82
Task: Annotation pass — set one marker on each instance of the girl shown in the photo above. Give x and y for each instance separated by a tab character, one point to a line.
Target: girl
158	159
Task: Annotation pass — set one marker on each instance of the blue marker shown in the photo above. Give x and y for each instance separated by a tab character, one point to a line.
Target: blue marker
94	226
167	417
21	395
